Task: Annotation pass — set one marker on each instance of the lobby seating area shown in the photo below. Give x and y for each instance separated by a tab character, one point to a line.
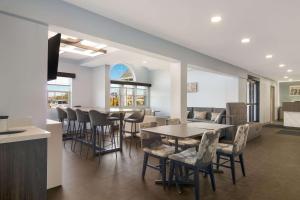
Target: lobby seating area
149	100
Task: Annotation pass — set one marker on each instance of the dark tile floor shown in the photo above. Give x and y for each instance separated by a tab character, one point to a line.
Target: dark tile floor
272	167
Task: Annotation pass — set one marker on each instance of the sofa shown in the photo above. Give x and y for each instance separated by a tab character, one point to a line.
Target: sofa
221	119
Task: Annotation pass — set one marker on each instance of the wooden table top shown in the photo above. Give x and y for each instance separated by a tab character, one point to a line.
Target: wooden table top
188	130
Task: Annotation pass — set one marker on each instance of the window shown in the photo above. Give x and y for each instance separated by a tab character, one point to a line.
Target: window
59	92
121	72
128	95
252	100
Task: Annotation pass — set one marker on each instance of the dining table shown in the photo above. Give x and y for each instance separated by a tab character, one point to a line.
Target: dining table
182	131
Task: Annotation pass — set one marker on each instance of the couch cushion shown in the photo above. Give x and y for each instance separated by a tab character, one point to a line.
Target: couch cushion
214	116
200	115
204	109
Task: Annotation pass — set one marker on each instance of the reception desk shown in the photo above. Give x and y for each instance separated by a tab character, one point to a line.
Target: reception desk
291	114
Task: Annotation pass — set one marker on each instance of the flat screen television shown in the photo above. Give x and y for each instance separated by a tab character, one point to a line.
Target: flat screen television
53	56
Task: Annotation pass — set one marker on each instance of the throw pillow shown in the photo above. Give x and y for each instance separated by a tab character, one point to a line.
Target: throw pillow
214	116
200	115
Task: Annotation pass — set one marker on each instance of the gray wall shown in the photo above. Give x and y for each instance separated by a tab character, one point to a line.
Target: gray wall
284	92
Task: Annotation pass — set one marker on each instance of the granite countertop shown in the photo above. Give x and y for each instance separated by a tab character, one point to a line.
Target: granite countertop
31	133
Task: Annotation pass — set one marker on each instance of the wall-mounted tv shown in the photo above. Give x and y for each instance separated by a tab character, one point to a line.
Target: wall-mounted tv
53	56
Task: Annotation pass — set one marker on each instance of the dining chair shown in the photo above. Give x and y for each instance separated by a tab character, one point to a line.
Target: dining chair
183	143
196	161
62	115
82	135
72	118
101	121
228	152
152	146
134	119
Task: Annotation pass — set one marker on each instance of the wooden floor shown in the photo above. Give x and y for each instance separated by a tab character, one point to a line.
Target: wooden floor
272	167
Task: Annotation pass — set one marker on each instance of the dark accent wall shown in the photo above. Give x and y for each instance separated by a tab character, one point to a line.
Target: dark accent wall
284	92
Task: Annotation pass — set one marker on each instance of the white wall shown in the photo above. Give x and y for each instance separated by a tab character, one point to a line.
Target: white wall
23	69
141	73
265	100
82	85
160	91
214	90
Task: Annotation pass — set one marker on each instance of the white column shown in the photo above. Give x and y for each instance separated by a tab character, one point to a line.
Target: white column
101	86
178	72
107	86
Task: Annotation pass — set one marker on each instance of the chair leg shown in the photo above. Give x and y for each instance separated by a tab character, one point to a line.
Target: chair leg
163	171
212	177
131	140
171	173
232	166
146	156
242	164
197	184
218	161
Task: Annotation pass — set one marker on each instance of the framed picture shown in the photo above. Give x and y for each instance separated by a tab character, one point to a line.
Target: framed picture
192	87
294	90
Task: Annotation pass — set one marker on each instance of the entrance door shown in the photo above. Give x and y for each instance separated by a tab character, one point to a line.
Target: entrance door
272	103
252	99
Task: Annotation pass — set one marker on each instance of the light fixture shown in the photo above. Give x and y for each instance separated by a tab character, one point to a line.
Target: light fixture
269	56
216	19
71	49
290	79
282	65
144	61
289	70
92	44
285	77
245	40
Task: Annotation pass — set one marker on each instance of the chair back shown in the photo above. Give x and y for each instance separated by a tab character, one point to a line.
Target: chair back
208	147
174	121
150	140
99	119
71	114
61	114
82	116
240	139
139	116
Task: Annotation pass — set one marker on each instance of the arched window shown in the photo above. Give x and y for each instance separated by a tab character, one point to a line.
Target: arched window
121	72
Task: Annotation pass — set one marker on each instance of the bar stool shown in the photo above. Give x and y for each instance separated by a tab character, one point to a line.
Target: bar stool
100	121
62	115
115	119
81	135
72	118
133	119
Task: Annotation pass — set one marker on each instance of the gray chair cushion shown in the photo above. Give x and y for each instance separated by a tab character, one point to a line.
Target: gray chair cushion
236	113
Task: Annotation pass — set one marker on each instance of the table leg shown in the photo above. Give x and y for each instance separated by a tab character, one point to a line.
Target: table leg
176	145
121	131
94	139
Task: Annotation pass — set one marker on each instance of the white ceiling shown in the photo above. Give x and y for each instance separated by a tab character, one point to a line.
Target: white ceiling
115	53
272	25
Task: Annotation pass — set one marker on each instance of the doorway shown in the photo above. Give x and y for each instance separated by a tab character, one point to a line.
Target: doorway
252	99
272	103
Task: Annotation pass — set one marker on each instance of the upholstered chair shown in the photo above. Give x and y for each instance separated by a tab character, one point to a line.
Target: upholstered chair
228	152
197	161
152	146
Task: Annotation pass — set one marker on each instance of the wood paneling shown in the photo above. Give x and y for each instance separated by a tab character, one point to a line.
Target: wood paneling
23	170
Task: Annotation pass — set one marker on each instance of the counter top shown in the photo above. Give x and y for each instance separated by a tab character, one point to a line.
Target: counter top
31	133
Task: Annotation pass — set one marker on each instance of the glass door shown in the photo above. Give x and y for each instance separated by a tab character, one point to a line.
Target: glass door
252	100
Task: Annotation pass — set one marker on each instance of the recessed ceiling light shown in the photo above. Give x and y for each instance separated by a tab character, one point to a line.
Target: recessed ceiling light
245	40
268	56
144	61
285	77
282	65
289	70
216	19
290	79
